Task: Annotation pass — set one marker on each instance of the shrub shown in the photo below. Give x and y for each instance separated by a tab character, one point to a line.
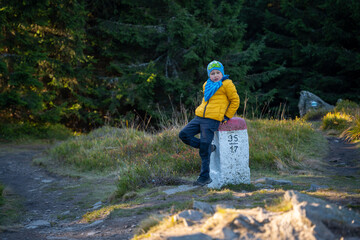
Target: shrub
30	131
348	107
338	121
314	115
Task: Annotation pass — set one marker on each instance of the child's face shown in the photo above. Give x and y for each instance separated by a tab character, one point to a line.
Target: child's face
215	75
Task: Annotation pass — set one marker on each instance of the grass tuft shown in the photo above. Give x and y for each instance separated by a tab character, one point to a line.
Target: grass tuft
338	121
2	199
148	223
279	205
345	120
352	133
102	213
11	209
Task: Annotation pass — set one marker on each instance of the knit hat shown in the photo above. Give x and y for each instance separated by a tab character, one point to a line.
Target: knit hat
215	65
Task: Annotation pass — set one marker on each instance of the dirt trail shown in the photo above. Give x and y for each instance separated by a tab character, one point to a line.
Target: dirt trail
53	205
60	202
343	158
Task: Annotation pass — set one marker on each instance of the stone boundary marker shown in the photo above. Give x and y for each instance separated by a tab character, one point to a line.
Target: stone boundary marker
229	164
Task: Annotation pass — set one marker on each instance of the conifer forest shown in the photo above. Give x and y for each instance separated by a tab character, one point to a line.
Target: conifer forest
86	63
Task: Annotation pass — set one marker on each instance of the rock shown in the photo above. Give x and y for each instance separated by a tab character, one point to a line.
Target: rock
65	213
38	224
219	206
47	181
97	205
247	222
97	222
309	218
229	233
266	181
204	207
282	182
196	236
181	188
328	219
342	164
263	186
309	101
92	233
314	187
190	217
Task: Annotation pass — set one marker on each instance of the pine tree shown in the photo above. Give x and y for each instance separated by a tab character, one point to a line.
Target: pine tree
151	52
315	42
41	58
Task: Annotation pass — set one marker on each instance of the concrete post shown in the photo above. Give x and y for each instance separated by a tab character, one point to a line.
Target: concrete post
229	163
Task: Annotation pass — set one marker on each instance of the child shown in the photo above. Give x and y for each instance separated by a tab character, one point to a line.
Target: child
219	104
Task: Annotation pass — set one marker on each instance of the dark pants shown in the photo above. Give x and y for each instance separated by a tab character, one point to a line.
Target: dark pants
206	127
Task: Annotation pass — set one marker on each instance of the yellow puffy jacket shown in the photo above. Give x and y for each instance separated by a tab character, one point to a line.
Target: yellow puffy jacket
224	102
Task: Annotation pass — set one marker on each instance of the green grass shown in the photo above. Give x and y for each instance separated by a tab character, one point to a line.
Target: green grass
348	107
240	187
278	145
141	159
10	207
2	199
29	132
223	195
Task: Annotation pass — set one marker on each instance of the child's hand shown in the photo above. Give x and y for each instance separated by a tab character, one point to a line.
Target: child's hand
225	120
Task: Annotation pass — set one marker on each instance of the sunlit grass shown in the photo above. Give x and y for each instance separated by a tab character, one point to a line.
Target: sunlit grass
345	120
101	213
279	205
156	224
337	120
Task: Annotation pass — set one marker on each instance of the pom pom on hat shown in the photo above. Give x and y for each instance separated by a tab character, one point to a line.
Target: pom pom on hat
215	65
